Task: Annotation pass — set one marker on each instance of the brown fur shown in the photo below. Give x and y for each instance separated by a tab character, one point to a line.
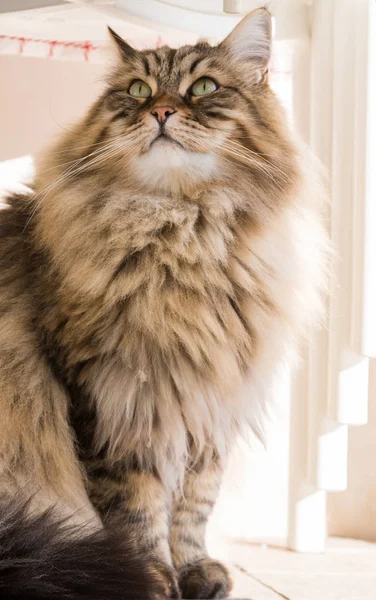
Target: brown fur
150	290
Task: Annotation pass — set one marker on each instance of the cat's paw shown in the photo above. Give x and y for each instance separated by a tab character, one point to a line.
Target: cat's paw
205	578
166	578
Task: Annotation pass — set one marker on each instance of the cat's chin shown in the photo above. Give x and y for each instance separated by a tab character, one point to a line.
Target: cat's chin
168	166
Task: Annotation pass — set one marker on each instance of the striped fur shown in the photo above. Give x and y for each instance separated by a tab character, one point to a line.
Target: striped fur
150	289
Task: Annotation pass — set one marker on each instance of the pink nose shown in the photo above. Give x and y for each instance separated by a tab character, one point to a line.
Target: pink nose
161	113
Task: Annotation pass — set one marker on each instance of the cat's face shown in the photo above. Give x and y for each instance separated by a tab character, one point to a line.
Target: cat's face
179	110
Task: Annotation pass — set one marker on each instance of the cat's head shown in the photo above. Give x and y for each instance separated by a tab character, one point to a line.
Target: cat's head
179	110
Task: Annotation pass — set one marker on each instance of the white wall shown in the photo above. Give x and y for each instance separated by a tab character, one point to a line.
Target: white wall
39	98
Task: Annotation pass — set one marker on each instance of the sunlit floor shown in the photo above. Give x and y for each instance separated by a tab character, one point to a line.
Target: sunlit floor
347	571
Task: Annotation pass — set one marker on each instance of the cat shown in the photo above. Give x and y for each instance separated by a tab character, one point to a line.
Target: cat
170	255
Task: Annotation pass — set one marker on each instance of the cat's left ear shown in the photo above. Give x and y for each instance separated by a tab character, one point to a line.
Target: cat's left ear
252	38
123	48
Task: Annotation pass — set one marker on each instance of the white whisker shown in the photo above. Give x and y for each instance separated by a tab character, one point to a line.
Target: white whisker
103	154
261	156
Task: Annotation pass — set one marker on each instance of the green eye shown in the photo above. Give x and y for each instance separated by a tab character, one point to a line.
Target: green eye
139	89
203	86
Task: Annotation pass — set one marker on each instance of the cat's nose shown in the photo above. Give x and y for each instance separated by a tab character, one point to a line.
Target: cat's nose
161	113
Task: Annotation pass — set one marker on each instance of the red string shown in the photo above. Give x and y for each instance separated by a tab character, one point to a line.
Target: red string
52	48
22	44
86	47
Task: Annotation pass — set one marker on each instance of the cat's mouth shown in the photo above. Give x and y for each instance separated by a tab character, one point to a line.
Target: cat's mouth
165	138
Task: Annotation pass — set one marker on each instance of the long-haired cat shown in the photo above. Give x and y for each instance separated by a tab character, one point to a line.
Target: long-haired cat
151	284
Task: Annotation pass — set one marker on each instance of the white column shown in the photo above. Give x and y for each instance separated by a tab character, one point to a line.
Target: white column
307	503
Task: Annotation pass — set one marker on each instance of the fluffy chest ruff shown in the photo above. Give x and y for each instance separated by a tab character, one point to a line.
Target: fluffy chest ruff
174	316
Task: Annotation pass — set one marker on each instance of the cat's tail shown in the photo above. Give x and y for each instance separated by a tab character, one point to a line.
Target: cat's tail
43	557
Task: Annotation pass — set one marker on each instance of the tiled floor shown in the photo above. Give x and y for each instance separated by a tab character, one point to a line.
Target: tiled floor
347	571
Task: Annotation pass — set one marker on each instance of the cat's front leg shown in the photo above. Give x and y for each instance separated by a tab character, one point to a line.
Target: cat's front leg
199	575
136	500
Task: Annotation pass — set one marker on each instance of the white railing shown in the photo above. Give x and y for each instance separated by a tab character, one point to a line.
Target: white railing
335	107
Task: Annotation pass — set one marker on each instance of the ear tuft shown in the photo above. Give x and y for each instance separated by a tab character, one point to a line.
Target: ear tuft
125	50
252	38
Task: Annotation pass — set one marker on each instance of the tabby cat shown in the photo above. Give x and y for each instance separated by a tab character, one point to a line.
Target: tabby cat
151	284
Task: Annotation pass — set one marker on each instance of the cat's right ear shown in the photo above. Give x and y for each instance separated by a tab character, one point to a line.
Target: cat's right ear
124	50
252	38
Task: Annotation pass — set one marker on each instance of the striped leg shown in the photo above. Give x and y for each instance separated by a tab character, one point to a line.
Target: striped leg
199	576
136	500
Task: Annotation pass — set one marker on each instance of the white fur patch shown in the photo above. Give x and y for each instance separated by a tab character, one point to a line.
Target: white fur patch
167	166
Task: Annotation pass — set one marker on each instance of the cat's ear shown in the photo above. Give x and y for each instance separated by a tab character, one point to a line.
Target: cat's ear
252	38
124	50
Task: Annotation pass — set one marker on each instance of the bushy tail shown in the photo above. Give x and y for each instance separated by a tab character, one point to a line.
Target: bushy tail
44	558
